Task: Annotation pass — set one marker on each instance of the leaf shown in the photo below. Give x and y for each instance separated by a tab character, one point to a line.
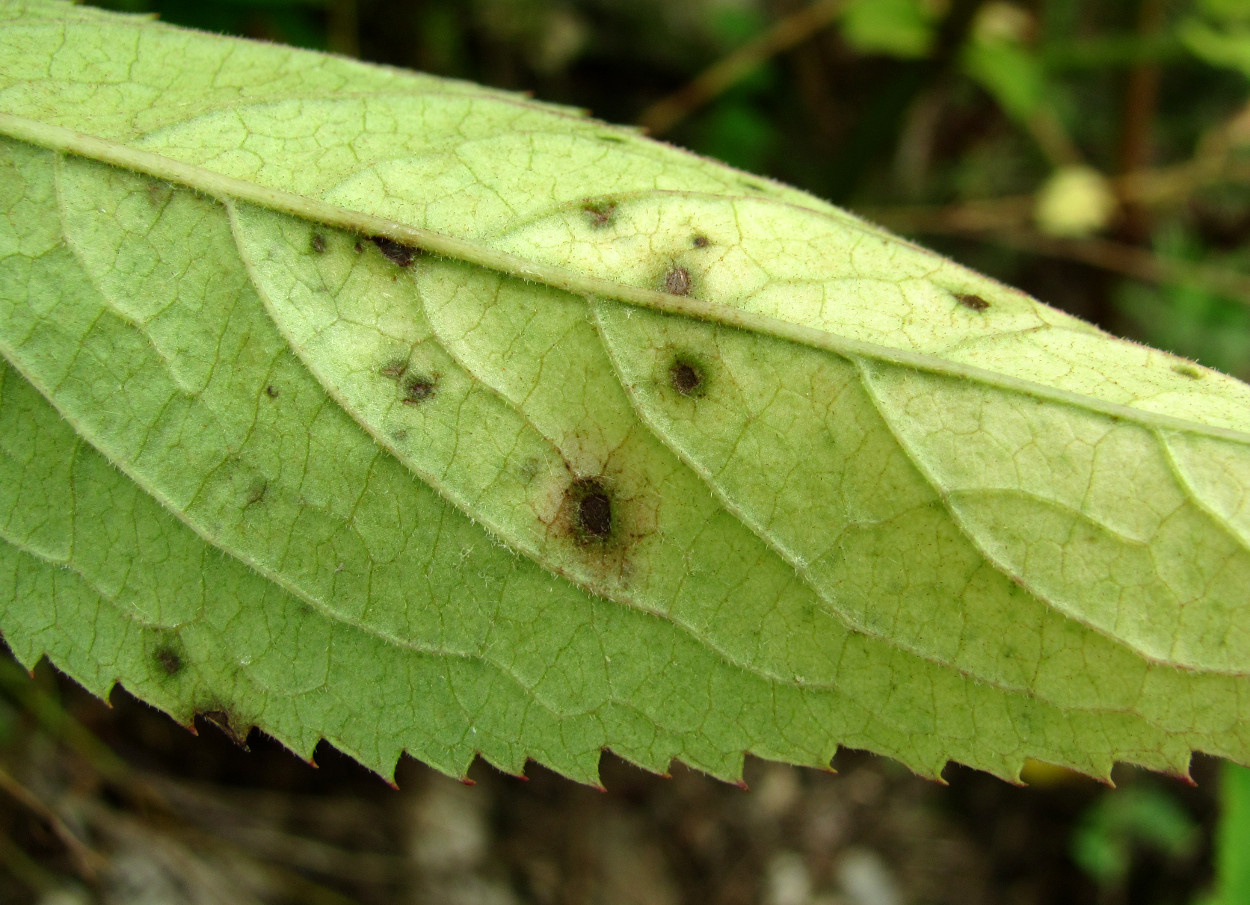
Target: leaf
361	405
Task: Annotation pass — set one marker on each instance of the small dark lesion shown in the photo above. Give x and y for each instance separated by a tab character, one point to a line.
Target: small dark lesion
318	243
599	214
256	495
971	301
419	388
271	391
395	252
222	719
170	661
687	376
394	369
590	505
677	281
700	241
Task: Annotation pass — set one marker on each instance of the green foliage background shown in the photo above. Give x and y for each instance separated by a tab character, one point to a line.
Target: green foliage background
946	120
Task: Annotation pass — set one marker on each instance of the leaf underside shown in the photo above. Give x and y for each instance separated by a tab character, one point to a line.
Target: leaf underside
354	404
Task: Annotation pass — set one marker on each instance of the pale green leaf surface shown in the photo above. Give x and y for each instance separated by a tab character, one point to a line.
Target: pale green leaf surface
859	495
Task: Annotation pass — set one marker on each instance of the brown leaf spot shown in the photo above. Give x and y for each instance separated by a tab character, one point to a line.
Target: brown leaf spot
592	510
318	243
971	301
700	241
396	252
271	391
599	213
222	719
257	494
419	388
677	281
170	661
686	376
394	369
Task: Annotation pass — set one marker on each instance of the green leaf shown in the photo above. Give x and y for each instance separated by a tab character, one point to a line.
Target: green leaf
356	404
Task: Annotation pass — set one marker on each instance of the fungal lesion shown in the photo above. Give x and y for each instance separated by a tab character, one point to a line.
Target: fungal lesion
170	660
394	369
396	252
687	376
419	388
599	214
227	722
677	280
256	495
971	301
590	507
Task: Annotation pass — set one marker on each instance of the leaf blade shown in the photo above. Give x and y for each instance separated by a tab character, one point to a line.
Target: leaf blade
722	626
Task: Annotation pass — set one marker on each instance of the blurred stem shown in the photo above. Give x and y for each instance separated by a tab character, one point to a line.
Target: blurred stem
343	28
1140	101
1159	186
1232	839
722	75
87	862
1131	261
49	714
878	129
25	869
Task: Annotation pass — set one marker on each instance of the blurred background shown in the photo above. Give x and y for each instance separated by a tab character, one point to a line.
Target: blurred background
1095	154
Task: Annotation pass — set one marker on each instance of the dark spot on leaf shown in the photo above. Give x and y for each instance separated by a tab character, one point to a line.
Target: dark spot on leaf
677	281
170	661
971	301
687	377
529	469
418	389
222	719
591	510
257	494
700	242
318	243
1187	370
393	370
159	193
271	391
599	213
396	252
358	247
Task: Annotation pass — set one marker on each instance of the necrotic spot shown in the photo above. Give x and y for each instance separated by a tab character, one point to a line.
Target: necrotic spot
418	389
169	661
394	369
972	301
686	376
592	509
396	252
677	281
700	241
599	213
